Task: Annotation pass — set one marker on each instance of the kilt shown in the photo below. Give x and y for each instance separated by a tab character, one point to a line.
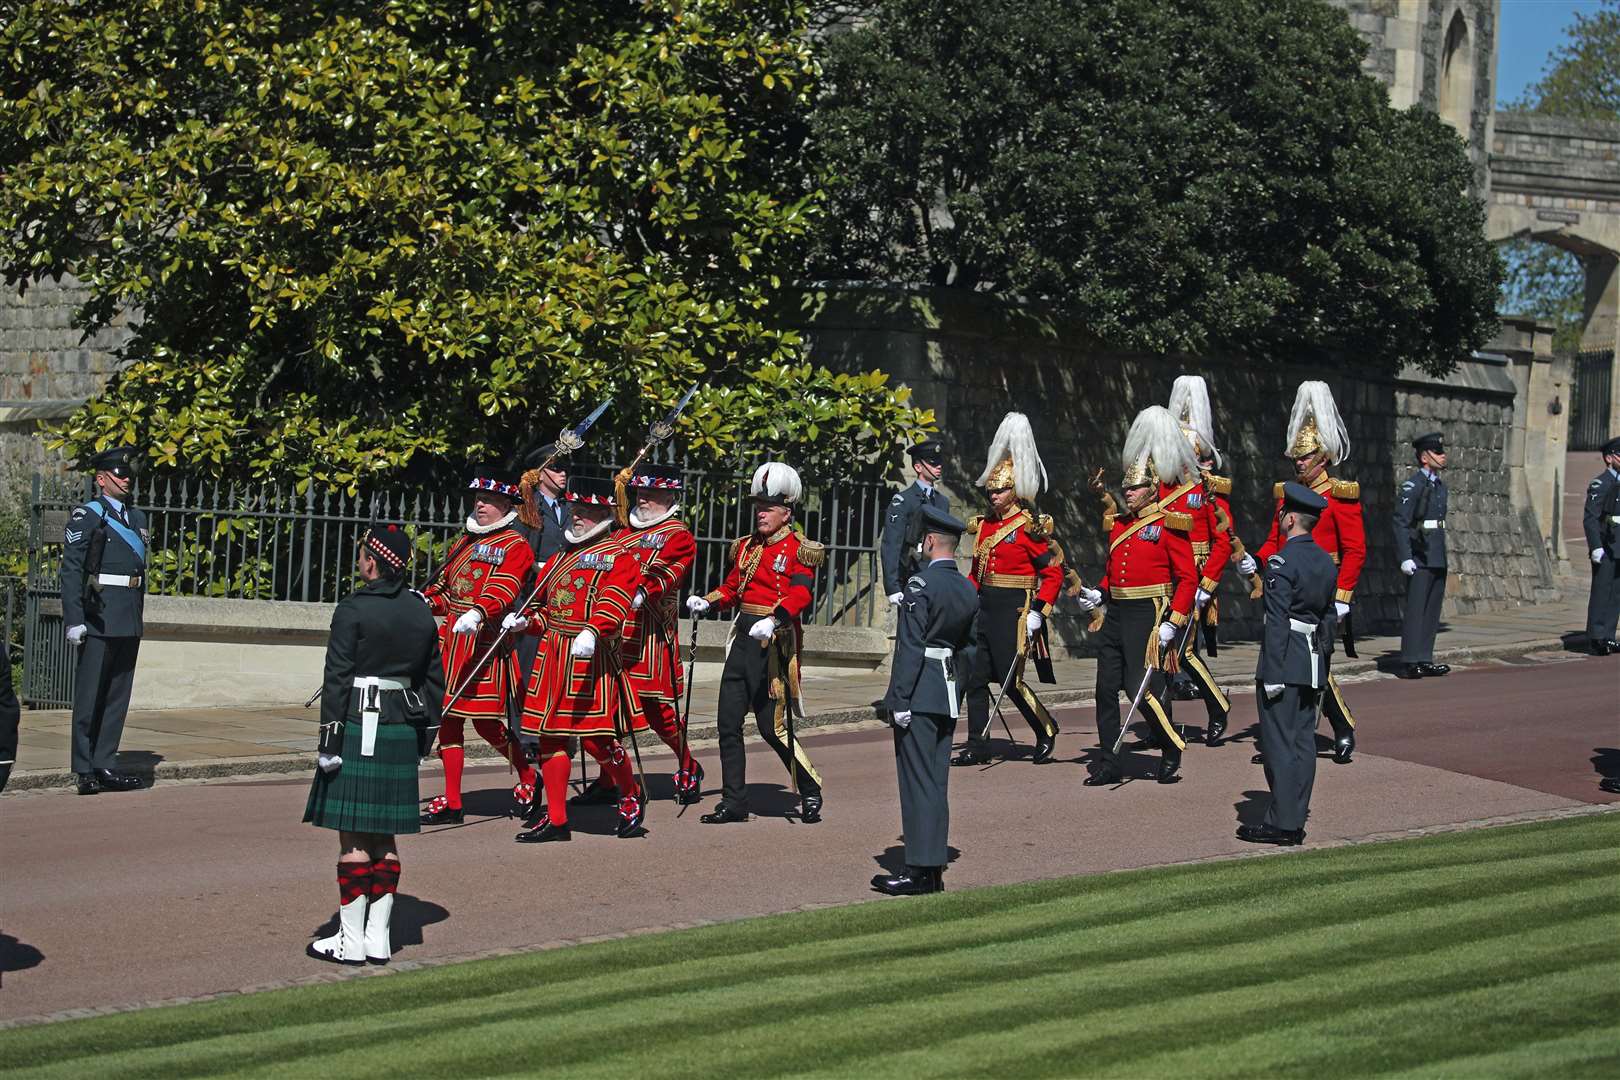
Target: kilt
377	794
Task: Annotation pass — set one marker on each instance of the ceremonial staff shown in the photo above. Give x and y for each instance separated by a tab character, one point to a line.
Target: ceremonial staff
658	431
686	706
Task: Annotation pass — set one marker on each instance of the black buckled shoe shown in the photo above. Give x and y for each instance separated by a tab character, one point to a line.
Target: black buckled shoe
1169	764
689	785
632	813
1410	671
545	833
440	812
970	756
1611	784
1268	834
1215	731
916	881
724	814
1343	748
1103	776
1610	645
88	784
117	781
599	792
1434	670
1044	744
810	809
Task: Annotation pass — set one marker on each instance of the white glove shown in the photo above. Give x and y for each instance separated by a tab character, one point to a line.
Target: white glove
1273	691
895	598
1032	622
584	646
1200	598
763	629
1167	633
328	762
696	605
1597	556
1341	608
637	600
1409	567
1247	566
514	622
470	621
1089	599
75	634
901	719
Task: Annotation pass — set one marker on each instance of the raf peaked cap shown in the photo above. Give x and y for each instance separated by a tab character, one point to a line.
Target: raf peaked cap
389	544
595	490
1302	499
935	520
1612	446
121	461
929	452
1433	441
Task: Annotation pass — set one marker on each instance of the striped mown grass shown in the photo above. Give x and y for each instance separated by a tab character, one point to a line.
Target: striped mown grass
1491	952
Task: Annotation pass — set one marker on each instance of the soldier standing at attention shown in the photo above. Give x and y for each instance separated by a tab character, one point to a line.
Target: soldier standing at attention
1601	522
933	641
103	598
1420	541
902	525
1293	670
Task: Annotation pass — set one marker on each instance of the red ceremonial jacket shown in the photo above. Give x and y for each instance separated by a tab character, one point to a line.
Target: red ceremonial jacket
1150	556
1211	547
652	644
1016	552
482	571
1340	532
771	576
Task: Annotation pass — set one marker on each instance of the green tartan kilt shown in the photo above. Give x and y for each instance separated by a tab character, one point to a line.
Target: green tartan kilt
376	794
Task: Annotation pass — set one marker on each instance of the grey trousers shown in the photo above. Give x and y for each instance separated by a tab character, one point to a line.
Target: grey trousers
1420	622
1288	738
101	687
922	761
1603	605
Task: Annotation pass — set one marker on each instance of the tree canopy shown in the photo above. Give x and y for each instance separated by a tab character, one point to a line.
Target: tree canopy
1177	177
367	239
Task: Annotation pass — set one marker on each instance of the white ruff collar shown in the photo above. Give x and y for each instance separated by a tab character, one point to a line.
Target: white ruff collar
646	523
484	530
589	534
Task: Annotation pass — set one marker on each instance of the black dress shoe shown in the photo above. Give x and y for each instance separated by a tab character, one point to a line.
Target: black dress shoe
1410	671
545	833
1258	759
1215	731
969	756
724	814
1044	745
1104	776
444	815
1434	670
1343	747
599	792
810	809
88	784
1169	764
1182	688
689	786
632	814
117	781
1599	648
916	881
1611	784
1611	645
1267	834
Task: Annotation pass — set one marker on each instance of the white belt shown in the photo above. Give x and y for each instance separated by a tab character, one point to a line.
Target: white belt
938	652
1434	523
123	581
1309	630
1615	518
370	714
944	656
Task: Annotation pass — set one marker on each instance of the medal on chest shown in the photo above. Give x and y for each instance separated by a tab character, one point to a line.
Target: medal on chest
1150	533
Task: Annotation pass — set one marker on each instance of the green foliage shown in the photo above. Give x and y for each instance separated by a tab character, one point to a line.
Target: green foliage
1582	79
1176	176
1546	282
371	240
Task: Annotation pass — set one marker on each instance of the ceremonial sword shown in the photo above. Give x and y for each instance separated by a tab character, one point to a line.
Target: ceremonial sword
1147	677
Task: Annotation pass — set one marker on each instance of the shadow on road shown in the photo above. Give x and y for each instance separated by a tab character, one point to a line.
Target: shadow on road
1576	641
893	858
17	956
143	763
1606	760
1251	809
411	914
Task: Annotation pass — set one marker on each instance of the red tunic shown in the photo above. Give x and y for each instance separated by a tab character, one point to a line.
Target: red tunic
652	644
770	577
1340	532
1150	556
586	586
1211	547
1006	554
486	572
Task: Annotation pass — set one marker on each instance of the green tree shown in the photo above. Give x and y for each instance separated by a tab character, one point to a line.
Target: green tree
1548	283
372	240
1582	77
1175	176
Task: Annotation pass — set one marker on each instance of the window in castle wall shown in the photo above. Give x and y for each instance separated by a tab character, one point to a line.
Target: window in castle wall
1457	77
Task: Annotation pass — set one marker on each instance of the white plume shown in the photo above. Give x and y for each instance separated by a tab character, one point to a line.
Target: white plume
1014	439
1189	404
1155	434
1315	399
776	480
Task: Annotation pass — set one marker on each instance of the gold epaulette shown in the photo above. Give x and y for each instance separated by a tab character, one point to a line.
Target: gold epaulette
1108	521
811	553
1219	485
1177	520
737	546
1057	552
1039	527
1348	490
1276	492
974	522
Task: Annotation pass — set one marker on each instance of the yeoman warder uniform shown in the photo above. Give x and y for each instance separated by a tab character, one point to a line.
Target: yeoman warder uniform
1420	545
1600	519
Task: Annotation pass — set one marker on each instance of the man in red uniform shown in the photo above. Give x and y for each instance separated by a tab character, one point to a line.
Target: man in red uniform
1316	440
473	591
1151	584
577	688
1018	571
771	584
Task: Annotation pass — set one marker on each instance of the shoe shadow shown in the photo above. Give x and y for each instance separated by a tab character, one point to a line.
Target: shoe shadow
18	956
1251	809
141	763
489	802
772	800
1606	761
892	859
1575	641
1390	663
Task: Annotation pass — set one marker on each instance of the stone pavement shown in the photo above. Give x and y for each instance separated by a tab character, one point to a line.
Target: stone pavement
215	742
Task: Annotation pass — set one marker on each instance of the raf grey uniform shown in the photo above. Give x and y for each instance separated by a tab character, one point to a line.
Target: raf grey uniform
1420	545
10	714
933	644
103	600
902	524
1601	522
1294	653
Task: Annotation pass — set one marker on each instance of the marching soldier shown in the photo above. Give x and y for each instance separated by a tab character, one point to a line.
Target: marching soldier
1151	585
771	584
1420	541
380	701
1195	496
1316	440
934	638
582	602
1018	570
477	585
1294	654
103	600
1601	522
902	526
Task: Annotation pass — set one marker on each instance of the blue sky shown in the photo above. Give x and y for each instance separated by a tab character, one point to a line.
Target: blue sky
1530	30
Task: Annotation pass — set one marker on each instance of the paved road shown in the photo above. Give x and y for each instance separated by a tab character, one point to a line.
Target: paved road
196	888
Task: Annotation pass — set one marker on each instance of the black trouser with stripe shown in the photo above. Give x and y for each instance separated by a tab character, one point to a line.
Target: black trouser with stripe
1122	654
1420	622
745	686
1216	703
1001	631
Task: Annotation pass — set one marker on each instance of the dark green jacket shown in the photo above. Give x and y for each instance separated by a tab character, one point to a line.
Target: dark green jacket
383	629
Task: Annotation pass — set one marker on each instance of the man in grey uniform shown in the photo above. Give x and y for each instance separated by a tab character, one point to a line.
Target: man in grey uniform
902	523
1294	651
103	597
1420	541
933	641
1601	522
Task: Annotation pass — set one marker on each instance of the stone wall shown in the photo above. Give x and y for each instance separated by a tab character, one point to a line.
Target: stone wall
971	359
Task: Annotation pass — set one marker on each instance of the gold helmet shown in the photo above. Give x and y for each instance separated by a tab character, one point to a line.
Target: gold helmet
1155	448
1315	424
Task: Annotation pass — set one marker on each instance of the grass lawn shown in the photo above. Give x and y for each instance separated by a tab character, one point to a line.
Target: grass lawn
1486	953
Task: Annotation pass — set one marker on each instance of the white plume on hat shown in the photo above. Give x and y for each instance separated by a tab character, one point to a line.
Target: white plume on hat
777	480
1314	401
1189	404
1155	436
1015	442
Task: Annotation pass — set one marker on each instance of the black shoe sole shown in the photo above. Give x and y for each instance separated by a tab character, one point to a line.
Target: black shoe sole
309	950
442	819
